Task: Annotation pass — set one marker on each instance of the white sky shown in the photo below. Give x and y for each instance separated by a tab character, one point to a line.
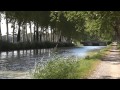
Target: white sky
4	30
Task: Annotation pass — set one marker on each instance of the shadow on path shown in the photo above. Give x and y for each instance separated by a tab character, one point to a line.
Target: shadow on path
109	67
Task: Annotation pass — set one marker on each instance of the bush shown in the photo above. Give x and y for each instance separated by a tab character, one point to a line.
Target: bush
59	68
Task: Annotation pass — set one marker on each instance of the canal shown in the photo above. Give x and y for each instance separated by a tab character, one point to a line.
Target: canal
14	64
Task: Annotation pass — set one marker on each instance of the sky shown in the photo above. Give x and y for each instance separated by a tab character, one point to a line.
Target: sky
3	27
4	30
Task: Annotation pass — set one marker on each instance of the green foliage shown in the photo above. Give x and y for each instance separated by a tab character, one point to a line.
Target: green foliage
70	68
61	68
118	47
75	25
57	69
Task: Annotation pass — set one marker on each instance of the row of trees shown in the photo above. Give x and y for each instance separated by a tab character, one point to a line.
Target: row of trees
102	25
75	25
40	20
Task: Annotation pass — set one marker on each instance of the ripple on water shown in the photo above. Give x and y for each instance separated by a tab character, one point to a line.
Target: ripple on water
24	60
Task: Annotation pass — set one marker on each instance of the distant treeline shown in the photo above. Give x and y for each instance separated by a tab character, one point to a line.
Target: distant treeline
7	46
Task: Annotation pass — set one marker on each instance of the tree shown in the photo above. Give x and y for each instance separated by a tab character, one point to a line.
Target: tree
30	32
0	27
13	26
7	29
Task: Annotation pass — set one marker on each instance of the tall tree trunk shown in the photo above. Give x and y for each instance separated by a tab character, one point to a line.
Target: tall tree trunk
116	29
30	33
59	39
13	30
34	33
37	38
53	36
60	36
40	35
18	36
48	37
117	34
0	28
26	32
23	32
7	29
46	34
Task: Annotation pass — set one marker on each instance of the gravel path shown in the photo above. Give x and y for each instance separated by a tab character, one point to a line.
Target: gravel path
109	67
14	75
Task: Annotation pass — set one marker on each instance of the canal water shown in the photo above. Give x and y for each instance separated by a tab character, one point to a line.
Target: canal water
25	60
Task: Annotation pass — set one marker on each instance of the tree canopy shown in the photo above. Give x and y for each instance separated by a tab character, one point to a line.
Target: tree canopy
76	25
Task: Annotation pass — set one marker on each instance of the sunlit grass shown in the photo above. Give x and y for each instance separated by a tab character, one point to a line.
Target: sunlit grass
70	68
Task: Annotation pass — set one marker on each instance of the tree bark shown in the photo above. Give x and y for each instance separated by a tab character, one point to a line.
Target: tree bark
13	30
7	29
18	36
26	32
23	32
0	28
30	33
37	38
34	33
53	36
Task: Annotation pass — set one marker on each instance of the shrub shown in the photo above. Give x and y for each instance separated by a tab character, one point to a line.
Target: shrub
59	68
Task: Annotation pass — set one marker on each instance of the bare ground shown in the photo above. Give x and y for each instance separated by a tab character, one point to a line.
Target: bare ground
109	68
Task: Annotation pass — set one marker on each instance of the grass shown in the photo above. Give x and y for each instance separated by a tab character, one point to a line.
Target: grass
70	68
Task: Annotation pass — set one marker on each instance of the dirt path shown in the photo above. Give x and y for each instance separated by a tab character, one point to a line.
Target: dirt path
109	67
14	75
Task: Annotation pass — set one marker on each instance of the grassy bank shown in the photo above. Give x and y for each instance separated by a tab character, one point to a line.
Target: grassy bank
4	46
70	68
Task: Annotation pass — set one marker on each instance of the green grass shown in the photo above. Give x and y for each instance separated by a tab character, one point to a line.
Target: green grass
69	68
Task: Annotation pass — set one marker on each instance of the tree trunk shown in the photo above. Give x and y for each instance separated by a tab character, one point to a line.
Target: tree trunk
18	36
23	33
46	34
59	39
41	34
30	33
37	38
34	33
13	30
116	29
0	28
7	29
26	32
117	35
53	36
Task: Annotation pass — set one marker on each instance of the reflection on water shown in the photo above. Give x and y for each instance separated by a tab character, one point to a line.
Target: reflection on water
23	60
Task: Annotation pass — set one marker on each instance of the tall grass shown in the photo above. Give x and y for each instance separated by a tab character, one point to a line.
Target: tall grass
70	68
65	69
59	68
